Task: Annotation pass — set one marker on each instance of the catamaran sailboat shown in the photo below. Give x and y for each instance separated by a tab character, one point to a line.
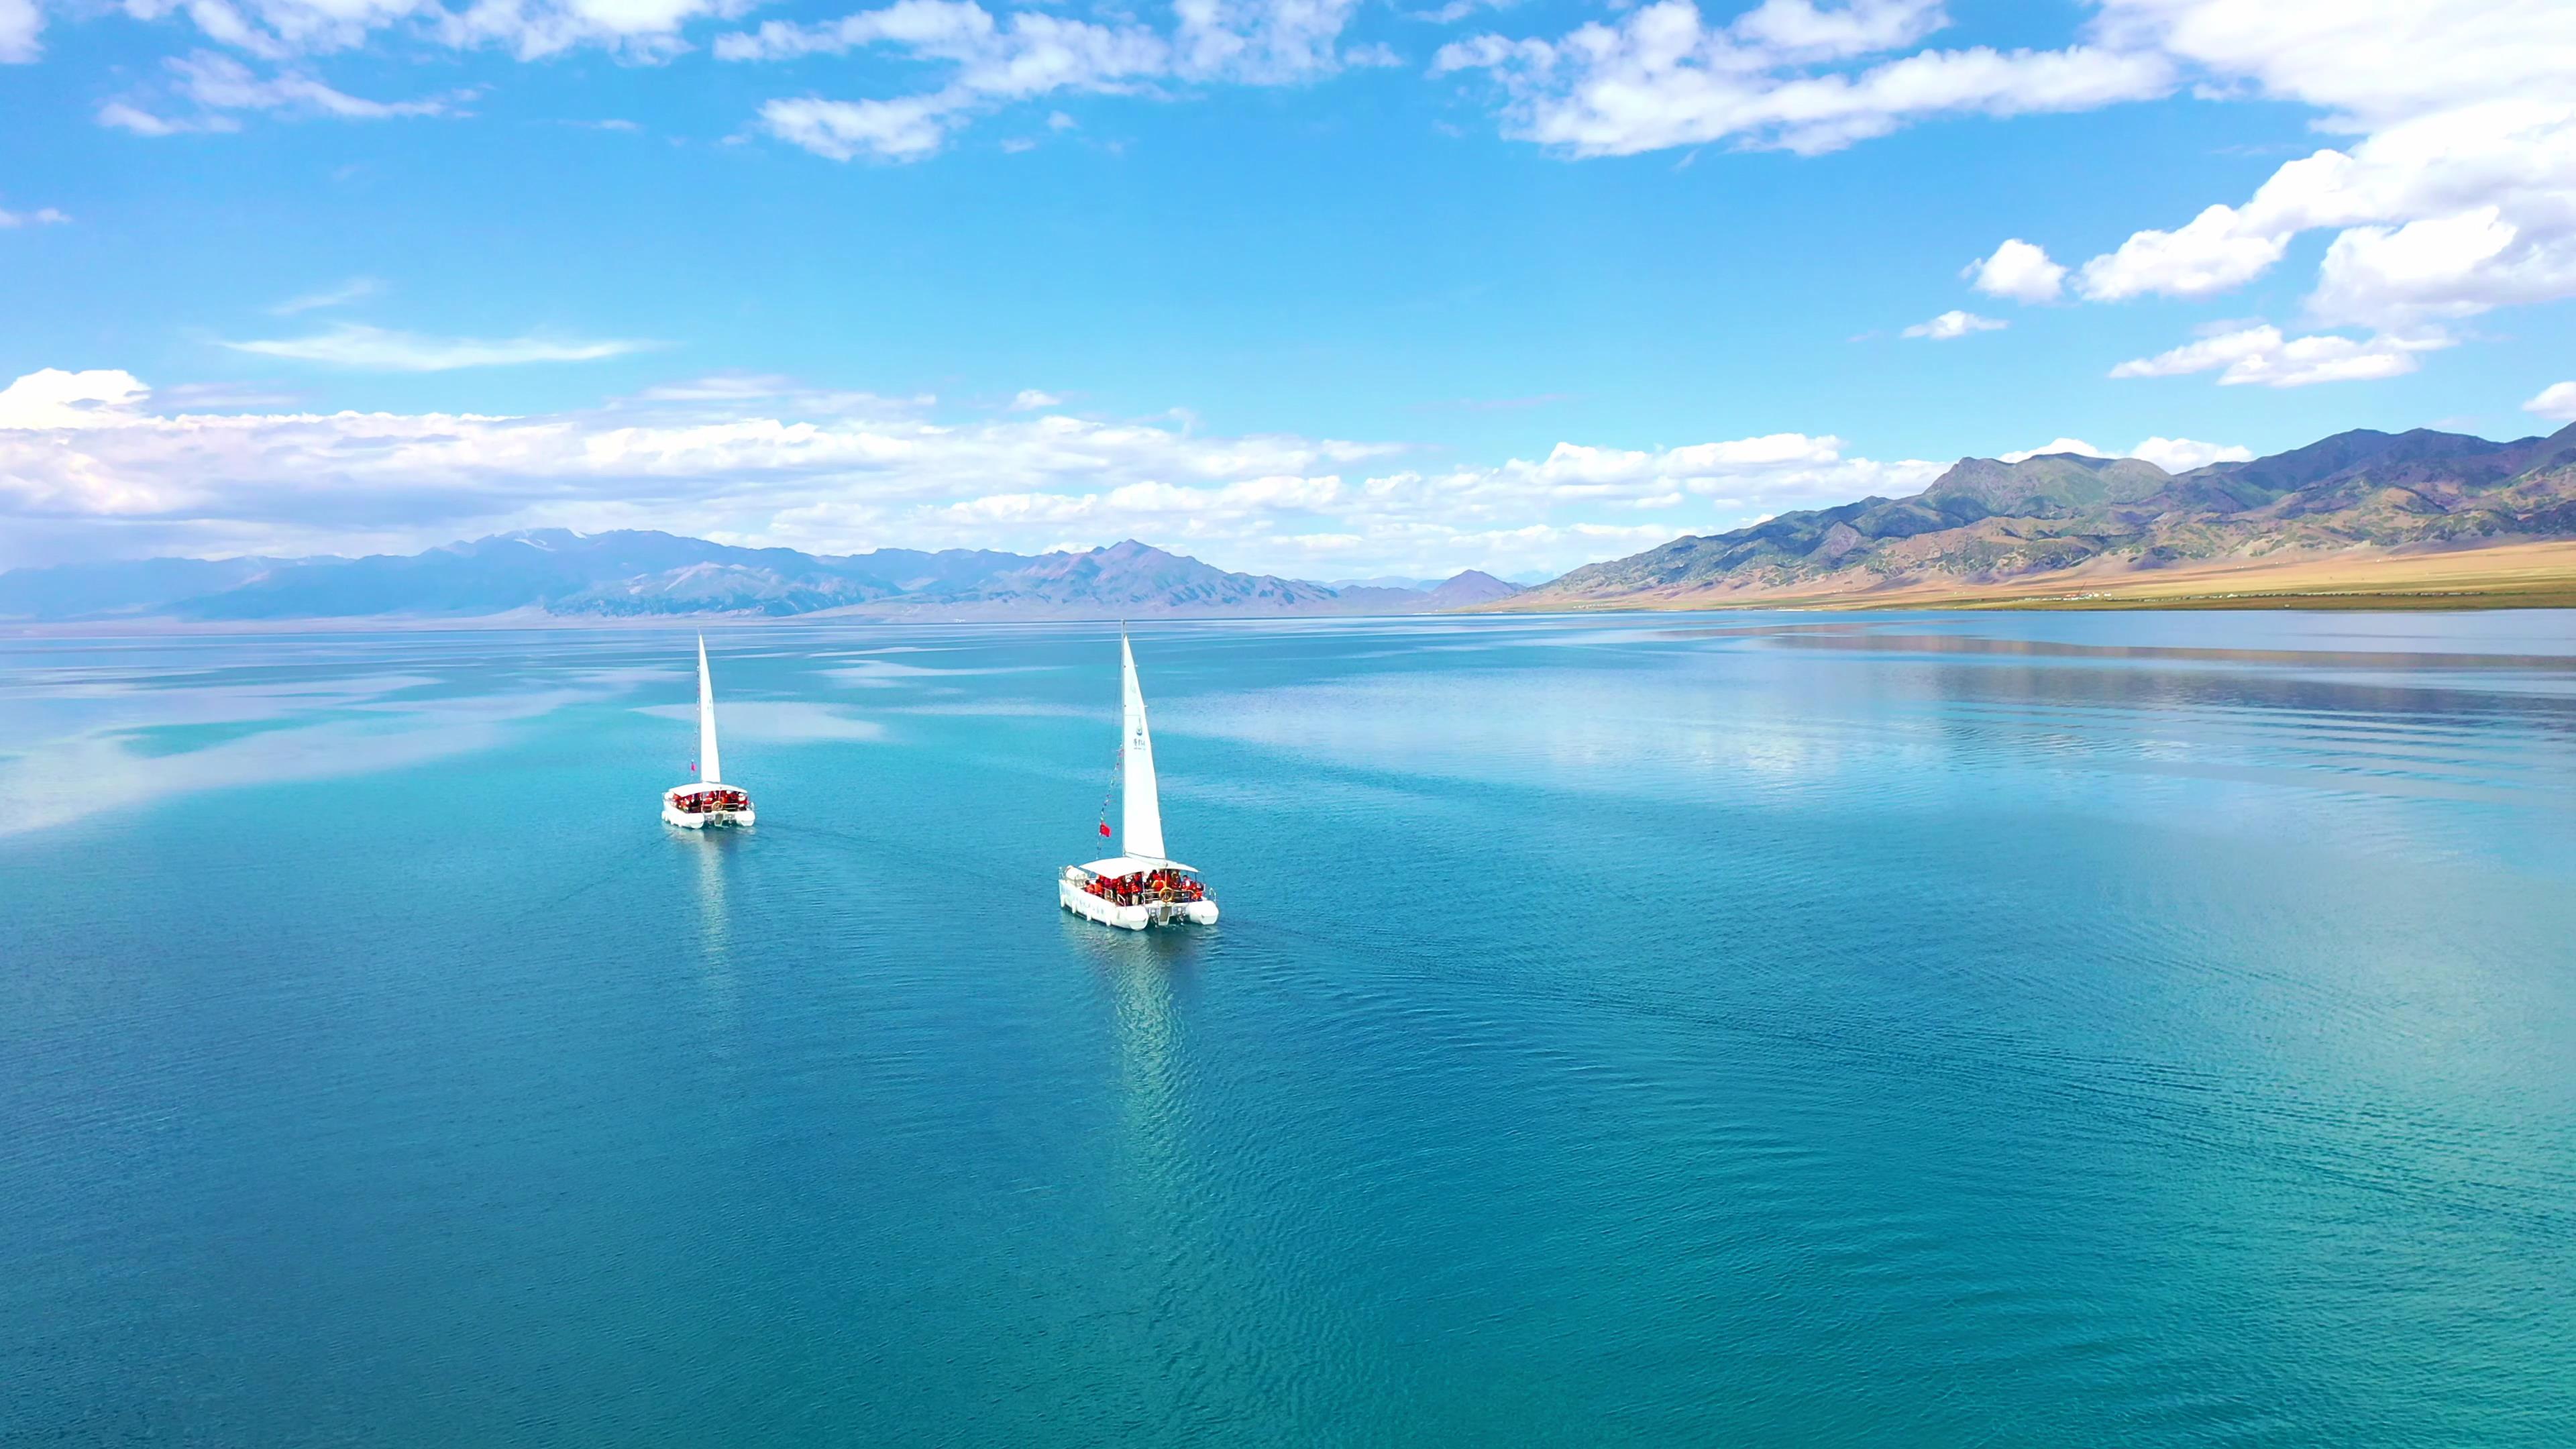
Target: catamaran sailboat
1141	887
706	800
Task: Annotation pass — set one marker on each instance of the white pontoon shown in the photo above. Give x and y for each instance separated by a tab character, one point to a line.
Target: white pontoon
1141	887
706	800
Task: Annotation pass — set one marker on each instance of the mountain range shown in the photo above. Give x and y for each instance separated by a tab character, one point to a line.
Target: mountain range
635	574
2070	518
1985	529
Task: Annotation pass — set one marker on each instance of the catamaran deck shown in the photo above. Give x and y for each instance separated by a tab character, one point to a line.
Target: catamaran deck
1133	894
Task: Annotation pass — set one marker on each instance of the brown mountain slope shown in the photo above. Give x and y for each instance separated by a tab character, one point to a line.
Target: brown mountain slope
2064	525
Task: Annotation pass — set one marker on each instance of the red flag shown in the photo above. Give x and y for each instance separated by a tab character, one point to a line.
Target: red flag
1104	827
693	767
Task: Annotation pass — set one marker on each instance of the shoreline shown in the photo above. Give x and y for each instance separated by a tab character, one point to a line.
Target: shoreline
2538	575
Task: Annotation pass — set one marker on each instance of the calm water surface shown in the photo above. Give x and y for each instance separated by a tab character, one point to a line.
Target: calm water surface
1746	1030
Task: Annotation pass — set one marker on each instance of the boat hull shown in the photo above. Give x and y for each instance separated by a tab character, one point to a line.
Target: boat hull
1133	918
673	815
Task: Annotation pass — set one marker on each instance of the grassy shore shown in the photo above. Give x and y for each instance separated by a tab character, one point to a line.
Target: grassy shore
2509	576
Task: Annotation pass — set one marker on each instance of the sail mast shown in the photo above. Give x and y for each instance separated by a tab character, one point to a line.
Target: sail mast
709	770
1141	806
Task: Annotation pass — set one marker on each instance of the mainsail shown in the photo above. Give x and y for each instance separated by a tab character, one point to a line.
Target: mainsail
709	771
1141	810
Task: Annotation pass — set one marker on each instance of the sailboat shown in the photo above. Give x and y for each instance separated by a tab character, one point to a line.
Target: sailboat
1142	886
707	800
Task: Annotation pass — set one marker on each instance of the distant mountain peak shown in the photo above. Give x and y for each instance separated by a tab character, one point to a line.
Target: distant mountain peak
646	573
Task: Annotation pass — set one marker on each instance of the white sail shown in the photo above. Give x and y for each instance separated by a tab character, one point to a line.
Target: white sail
710	772
1141	808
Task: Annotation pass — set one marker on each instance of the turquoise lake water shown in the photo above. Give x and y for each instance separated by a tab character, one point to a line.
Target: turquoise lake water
1737	1029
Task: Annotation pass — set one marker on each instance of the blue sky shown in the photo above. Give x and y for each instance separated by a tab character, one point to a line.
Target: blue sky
1310	286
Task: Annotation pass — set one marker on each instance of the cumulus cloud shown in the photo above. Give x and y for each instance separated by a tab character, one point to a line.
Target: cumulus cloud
1024	54
1662	76
1030	400
2458	197
2062	445
54	398
2174	455
376	349
639	30
2556	402
42	216
2019	270
1954	324
766	462
2181	455
2264	355
21	25
2213	254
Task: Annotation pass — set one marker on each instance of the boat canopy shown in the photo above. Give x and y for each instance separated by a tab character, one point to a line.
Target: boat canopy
1124	865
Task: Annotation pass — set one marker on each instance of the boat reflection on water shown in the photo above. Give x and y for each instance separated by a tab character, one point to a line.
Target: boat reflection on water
714	850
1180	1301
1146	980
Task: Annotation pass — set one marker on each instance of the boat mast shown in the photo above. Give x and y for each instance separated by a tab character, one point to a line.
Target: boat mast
710	772
1141	806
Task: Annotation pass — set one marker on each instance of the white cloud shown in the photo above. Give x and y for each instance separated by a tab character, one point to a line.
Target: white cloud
902	130
1258	42
1661	77
641	30
2364	63
1023	54
379	350
2181	455
771	464
2212	254
1457	10
2019	270
219	87
2174	455
2263	355
2062	445
2458	197
42	216
355	289
1954	324
1030	400
21	25
54	398
2441	216
122	116
2556	402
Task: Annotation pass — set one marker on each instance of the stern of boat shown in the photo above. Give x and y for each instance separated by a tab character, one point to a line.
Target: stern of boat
1069	893
672	814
